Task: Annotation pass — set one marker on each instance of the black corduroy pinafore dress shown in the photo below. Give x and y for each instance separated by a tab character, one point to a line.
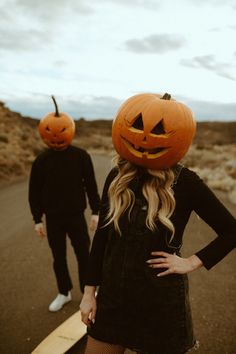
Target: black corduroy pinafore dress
136	308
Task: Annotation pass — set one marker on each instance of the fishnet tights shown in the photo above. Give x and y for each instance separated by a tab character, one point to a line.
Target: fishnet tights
95	346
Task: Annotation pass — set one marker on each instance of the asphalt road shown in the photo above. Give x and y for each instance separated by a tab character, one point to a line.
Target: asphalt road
28	284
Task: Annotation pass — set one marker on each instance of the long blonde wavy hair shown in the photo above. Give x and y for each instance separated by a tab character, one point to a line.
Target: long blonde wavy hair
157	190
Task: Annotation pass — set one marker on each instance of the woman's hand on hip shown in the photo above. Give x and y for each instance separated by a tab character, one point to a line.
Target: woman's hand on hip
173	263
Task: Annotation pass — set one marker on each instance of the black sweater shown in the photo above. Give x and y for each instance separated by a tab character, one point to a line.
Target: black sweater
59	182
191	193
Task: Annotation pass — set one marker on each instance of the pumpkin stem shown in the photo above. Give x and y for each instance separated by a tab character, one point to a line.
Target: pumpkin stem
57	114
166	96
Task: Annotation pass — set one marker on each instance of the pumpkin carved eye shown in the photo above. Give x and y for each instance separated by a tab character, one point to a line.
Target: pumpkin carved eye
47	128
63	129
138	123
158	129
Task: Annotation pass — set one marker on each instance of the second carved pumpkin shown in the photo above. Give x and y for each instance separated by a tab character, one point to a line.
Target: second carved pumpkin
57	129
153	131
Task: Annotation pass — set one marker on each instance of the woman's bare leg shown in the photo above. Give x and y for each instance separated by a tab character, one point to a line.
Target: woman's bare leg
95	346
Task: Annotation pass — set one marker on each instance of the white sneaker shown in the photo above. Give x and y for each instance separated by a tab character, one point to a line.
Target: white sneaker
59	302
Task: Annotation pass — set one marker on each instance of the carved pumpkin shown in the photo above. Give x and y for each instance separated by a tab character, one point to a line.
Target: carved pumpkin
57	129
153	131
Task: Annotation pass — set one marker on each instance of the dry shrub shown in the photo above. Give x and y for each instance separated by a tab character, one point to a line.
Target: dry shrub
4	139
216	166
94	142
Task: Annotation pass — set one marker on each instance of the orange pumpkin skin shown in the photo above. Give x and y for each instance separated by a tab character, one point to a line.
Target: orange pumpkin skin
152	131
57	130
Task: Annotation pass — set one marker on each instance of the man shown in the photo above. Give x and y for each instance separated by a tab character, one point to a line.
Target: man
61	178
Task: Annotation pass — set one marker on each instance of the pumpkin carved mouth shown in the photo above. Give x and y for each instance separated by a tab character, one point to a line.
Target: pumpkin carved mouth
147	152
60	142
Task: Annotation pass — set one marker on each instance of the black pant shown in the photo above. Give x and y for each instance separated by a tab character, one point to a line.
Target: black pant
58	227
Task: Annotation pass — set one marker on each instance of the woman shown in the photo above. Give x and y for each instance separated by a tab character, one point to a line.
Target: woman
143	302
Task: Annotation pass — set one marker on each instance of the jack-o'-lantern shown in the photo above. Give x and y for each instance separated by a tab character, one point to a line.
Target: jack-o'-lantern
153	131
57	129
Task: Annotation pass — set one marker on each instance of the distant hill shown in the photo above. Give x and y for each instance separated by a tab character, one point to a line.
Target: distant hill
212	153
208	133
215	133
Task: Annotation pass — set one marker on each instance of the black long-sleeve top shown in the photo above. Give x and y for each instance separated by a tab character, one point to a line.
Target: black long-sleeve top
60	181
191	194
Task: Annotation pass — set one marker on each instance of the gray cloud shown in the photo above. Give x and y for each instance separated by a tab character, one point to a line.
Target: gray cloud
89	107
233	27
211	111
60	63
6	15
27	24
148	4
208	62
219	3
215	29
54	10
94	107
155	43
105	107
23	39
51	10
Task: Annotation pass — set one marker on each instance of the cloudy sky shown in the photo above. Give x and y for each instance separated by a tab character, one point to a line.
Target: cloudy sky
93	54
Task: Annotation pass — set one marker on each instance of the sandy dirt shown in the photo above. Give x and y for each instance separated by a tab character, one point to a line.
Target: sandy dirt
28	284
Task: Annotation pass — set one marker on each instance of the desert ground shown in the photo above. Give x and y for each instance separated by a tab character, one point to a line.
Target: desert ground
28	284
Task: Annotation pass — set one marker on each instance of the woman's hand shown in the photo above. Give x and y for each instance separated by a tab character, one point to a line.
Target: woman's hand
88	306
173	263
